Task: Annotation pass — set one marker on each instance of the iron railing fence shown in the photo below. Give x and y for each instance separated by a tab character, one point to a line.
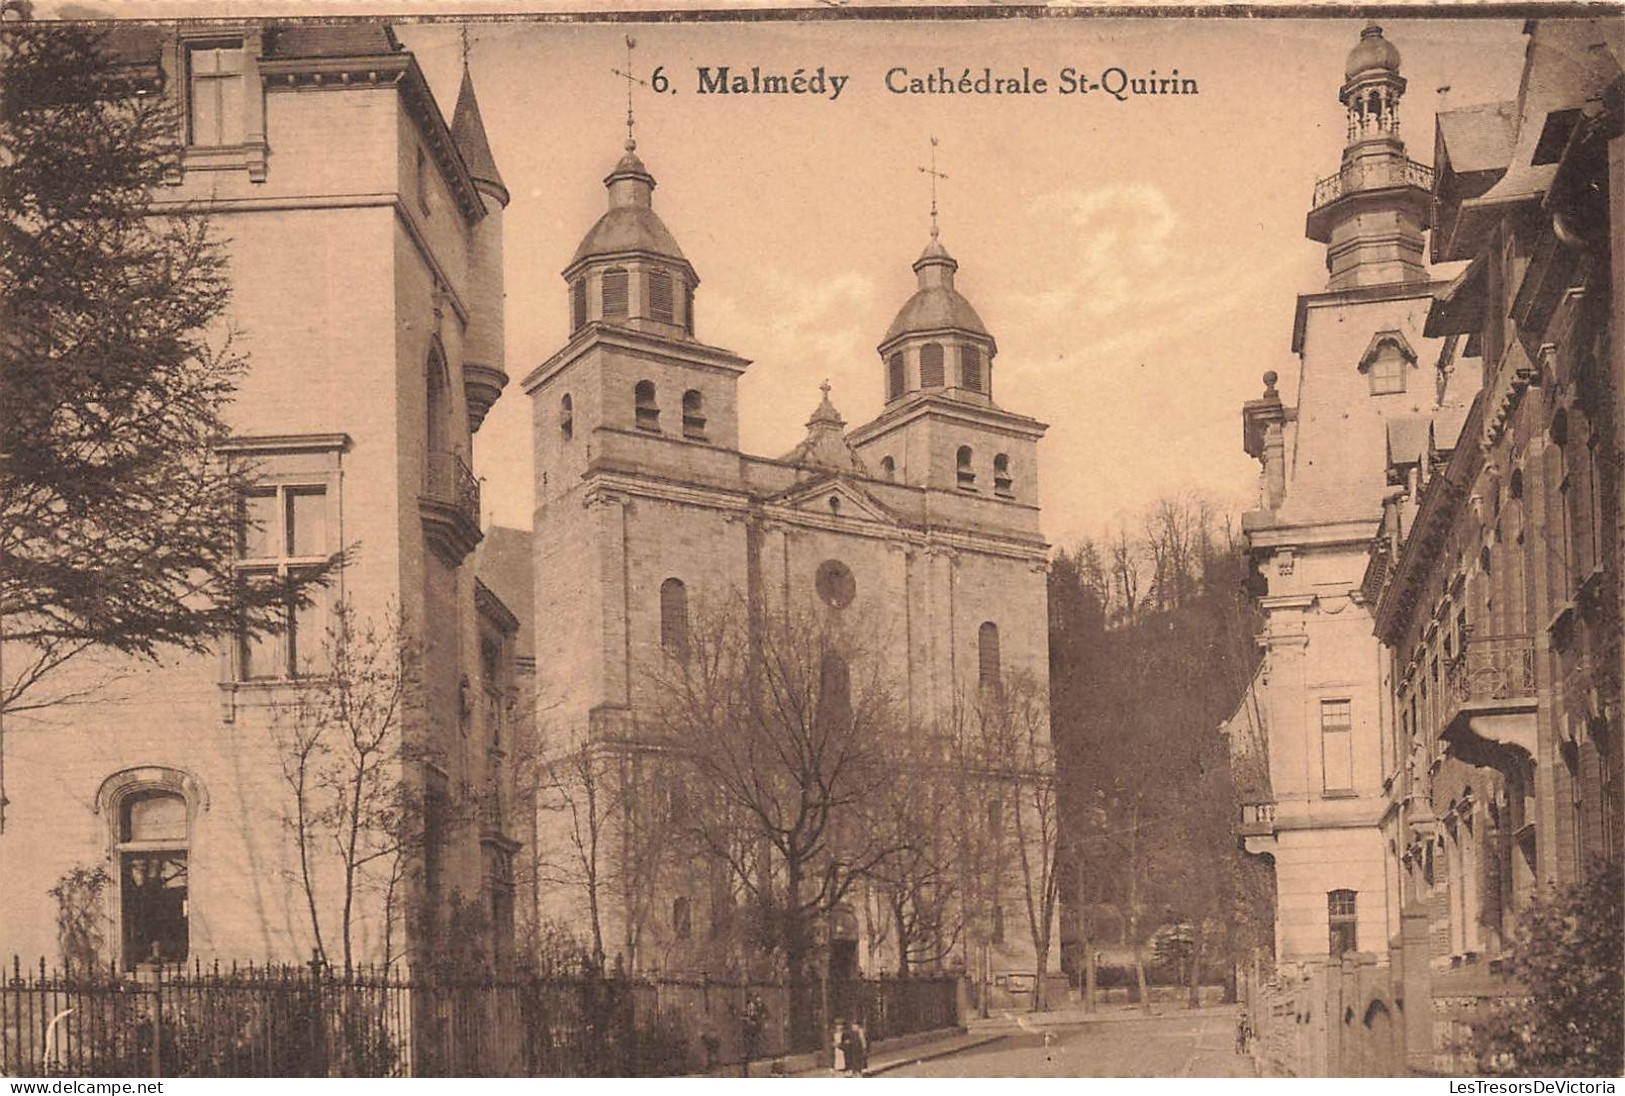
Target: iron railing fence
290	1021
1492	668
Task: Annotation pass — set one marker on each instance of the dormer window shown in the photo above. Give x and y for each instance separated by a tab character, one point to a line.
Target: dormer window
694	415
661	300
578	305
1002	483
647	411
967	474
615	294
970	369
1388	375
896	376
931	375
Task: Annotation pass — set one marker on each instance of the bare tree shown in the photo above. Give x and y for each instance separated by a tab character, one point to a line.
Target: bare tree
574	786
344	760
782	720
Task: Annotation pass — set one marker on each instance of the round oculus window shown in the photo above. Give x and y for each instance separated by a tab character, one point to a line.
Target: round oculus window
835	583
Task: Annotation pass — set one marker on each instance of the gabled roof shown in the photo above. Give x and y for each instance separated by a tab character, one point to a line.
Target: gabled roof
1395	339
813	495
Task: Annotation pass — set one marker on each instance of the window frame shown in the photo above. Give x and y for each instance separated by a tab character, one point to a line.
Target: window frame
215	81
989	656
674	618
622	279
1342	921
933	366
1330	731
646	406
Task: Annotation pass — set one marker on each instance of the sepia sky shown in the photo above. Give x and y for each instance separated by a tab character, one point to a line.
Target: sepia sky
1136	261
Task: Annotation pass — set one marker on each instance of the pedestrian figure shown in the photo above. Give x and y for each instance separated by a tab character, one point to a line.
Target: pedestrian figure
860	1049
1243	1032
838	1063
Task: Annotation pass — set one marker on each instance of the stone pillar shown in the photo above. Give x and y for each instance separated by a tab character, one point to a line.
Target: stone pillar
1414	980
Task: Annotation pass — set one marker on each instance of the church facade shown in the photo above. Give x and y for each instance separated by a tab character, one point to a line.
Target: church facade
919	529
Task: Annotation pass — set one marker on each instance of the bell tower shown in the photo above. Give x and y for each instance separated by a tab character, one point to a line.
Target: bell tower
1373	213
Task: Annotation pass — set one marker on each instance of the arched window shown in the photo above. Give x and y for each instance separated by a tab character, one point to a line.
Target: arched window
896	376
1002	483
437	411
970	368
834	693
888	468
661	304
1342	923
931	365
578	304
646	409
693	414
988	670
567	417
615	293
674	618
154	836
967	474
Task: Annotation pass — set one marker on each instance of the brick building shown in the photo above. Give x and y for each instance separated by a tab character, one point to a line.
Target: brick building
920	528
365	253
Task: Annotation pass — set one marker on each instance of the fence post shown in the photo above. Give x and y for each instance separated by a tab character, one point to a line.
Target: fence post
158	1019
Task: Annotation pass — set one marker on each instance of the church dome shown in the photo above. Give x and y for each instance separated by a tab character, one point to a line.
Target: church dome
1372	53
936	304
630	223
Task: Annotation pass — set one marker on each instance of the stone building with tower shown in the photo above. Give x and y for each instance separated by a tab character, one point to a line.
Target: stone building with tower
921	526
1369	388
364	249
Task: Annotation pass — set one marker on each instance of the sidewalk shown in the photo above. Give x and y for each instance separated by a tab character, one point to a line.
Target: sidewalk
890	1054
1073	1014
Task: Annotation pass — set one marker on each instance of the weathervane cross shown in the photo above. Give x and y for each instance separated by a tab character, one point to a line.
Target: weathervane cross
935	175
627	75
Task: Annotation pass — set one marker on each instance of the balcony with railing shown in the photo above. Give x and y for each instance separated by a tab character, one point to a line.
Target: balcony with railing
450	506
1258	820
1379	174
1490	698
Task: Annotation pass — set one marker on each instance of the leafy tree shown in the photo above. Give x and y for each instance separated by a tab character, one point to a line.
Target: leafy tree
118	522
1567	952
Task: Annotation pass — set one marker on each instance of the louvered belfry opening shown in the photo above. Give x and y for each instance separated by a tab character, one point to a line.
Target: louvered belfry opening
1002	483
970	368
966	471
693	414
661	297
615	293
647	409
578	304
931	374
896	376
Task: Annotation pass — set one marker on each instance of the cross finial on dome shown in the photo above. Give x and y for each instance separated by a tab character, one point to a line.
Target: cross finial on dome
824	388
935	175
627	75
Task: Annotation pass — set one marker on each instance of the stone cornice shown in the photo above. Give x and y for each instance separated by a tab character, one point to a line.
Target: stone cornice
676	351
1365	294
918	406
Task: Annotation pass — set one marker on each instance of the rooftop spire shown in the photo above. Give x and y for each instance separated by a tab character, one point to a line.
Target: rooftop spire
468	134
935	175
631	44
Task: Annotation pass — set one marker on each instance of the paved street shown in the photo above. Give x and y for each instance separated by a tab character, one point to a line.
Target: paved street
1177	1044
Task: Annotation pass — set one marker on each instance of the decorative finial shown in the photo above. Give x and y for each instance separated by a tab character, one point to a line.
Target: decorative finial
631	44
824	388
935	175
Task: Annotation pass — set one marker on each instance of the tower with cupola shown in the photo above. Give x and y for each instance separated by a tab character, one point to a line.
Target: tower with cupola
1373	213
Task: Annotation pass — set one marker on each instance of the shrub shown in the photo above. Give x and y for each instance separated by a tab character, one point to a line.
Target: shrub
1567	954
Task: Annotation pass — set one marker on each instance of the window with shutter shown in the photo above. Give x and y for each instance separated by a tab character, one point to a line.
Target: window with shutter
660	297
931	365
970	368
896	376
615	292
